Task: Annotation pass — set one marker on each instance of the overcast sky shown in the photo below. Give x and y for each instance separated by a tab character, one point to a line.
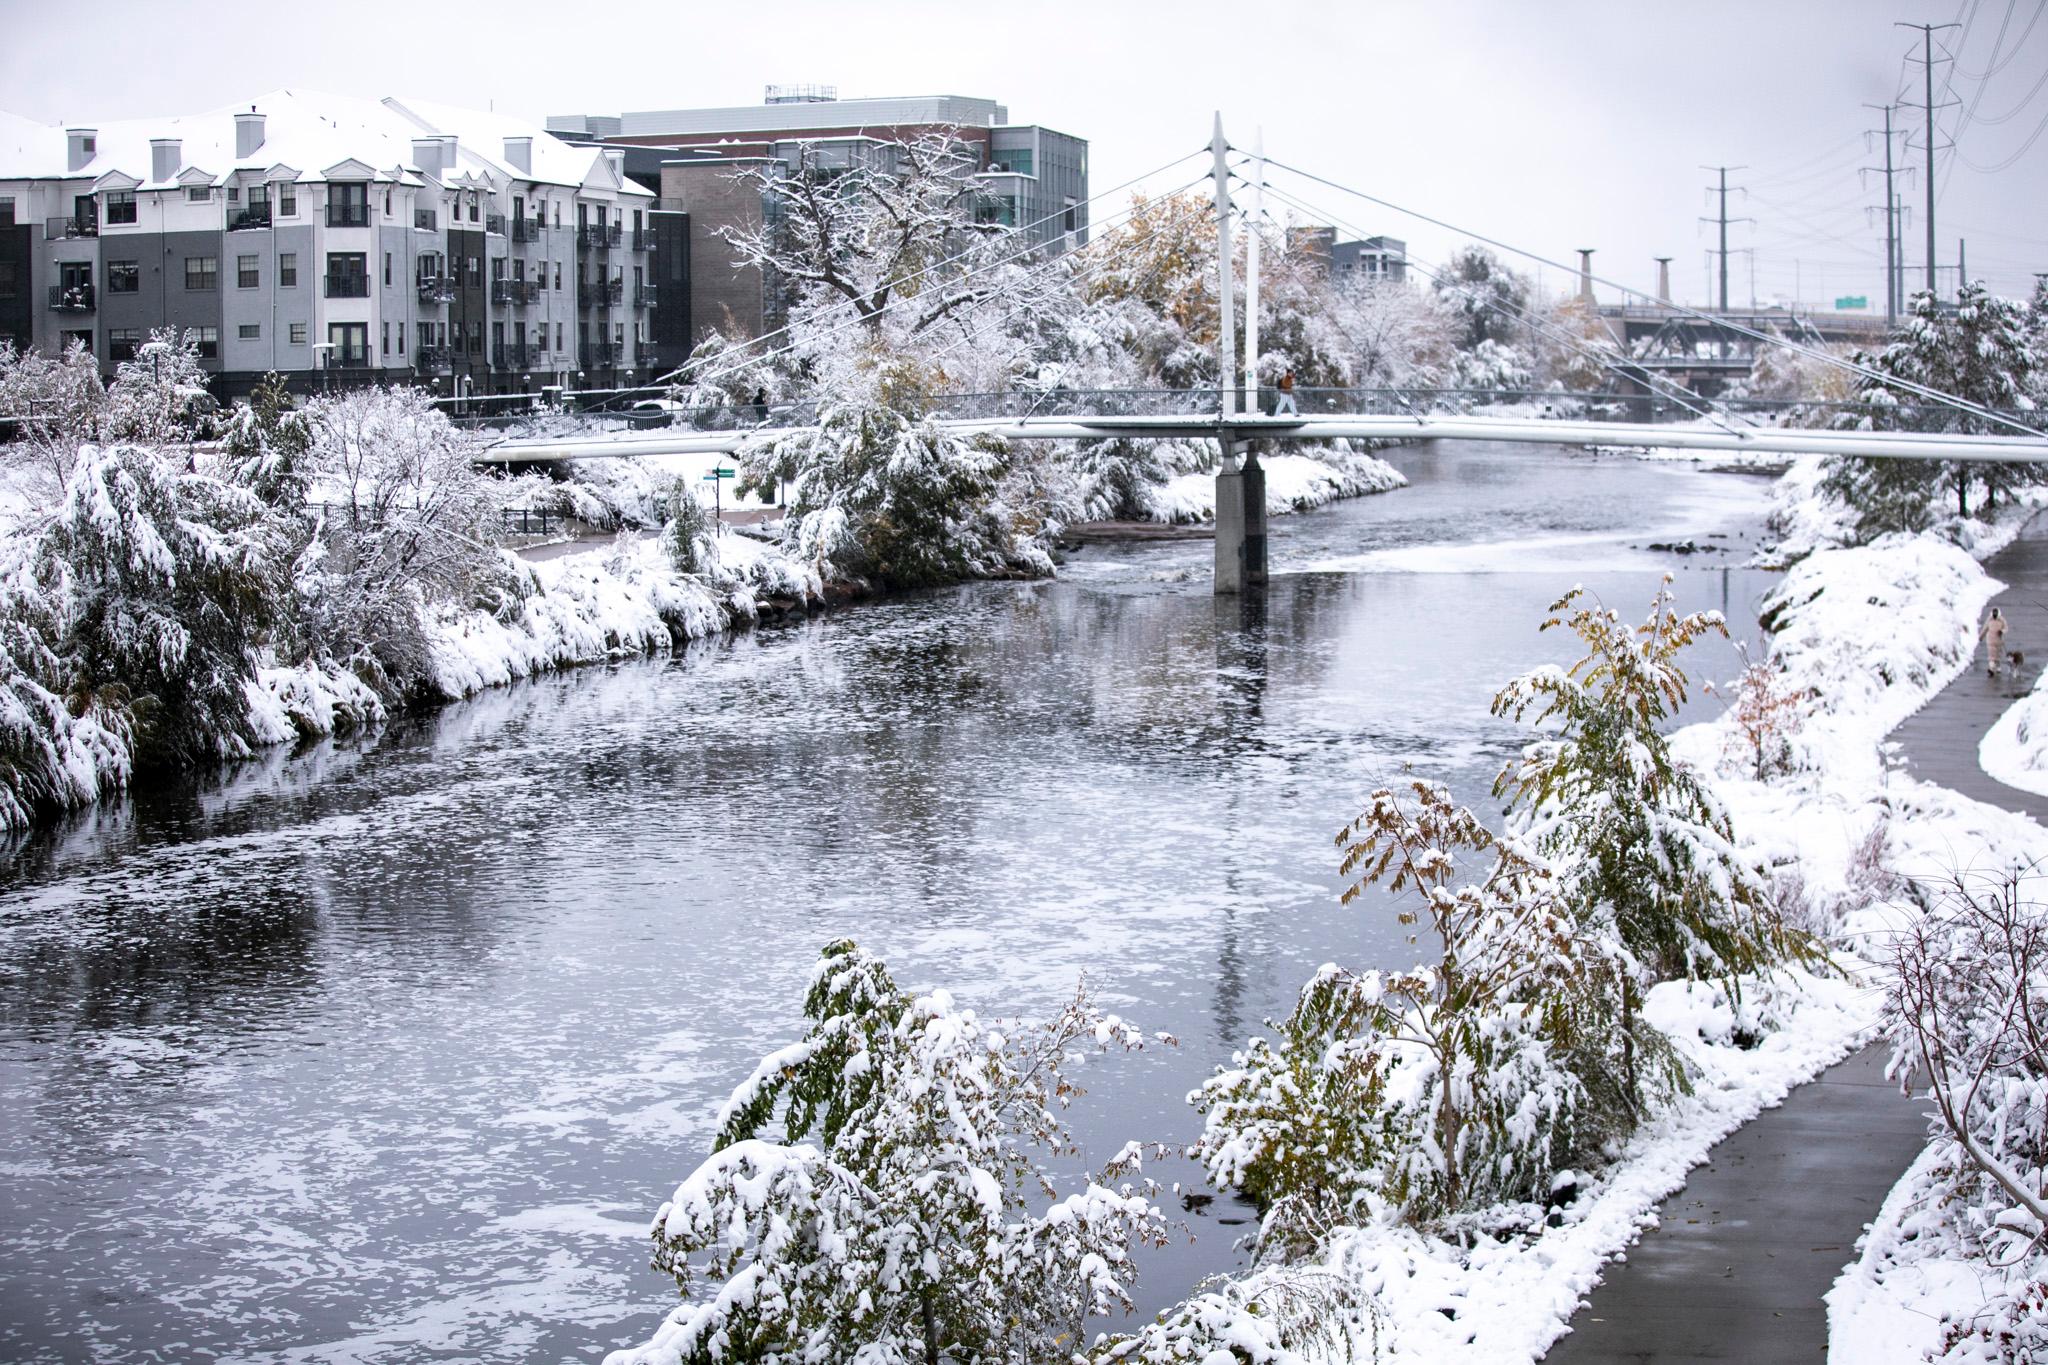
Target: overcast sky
1550	124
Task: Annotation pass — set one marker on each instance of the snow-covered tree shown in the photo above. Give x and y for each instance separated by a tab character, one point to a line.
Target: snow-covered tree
63	743
1575	350
1397	336
1766	708
1431	1092
689	538
1281	1315
878	495
895	1222
159	396
405	520
1981	351
266	442
60	399
1485	296
1647	851
166	584
1493	365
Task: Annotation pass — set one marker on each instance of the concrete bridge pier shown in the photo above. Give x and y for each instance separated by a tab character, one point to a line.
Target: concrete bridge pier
1240	522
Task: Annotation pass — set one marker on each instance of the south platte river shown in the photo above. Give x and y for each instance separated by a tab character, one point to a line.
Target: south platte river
388	1051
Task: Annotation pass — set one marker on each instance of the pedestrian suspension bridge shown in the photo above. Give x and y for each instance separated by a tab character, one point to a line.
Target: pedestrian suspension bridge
1655	412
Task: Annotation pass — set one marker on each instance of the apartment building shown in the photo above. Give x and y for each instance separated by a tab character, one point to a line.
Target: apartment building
336	241
1031	178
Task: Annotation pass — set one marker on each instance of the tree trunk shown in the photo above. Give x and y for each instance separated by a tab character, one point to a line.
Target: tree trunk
1628	1045
931	1327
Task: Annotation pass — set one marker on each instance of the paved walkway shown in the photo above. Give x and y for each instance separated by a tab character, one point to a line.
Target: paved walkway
1940	741
1737	1267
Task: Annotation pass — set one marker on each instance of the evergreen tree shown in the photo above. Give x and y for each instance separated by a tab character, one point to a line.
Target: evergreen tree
1980	351
1486	297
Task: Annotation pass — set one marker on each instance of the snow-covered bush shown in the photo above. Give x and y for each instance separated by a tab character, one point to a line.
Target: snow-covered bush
1485	297
892	1223
60	399
159	395
1283	1315
1967	1015
164	584
51	757
1764	710
1493	365
690	538
1428	1093
876	495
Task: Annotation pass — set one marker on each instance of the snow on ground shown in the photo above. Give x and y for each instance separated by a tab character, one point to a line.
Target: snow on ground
2015	750
1294	483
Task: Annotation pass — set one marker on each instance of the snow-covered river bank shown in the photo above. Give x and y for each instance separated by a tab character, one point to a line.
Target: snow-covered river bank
386	1052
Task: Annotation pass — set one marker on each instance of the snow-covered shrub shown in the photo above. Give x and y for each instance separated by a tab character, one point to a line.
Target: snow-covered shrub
1493	365
61	398
1283	1315
1765	708
892	1224
1486	297
265	444
690	538
159	396
166	584
1967	1015
1428	1093
876	495
51	758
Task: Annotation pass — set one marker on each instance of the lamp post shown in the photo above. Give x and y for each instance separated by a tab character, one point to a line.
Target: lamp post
323	360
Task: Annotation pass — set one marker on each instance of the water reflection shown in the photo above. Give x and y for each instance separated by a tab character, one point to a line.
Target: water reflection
384	1051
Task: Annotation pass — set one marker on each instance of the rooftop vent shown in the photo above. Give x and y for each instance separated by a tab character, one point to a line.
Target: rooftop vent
80	146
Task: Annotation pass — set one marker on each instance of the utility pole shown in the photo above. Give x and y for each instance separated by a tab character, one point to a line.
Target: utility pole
1251	269
1891	240
1723	220
1962	266
1927	107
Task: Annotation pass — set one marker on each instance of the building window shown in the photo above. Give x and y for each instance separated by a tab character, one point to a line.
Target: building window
401	338
351	345
348	204
387	204
348	275
288	270
296	335
558	275
10	280
287	200
124	277
234	195
209	342
558	328
202	274
245	272
385	339
199	194
387	261
6	210
473	206
121	206
123	342
249	331
476	271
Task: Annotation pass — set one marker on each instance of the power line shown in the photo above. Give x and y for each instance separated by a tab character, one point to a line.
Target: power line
1999	64
1922	390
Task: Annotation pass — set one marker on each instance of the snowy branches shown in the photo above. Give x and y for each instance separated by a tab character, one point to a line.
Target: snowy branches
893	1223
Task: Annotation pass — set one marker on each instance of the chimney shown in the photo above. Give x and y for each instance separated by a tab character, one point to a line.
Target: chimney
618	160
1586	273
519	154
166	154
1663	279
448	150
80	145
248	133
426	154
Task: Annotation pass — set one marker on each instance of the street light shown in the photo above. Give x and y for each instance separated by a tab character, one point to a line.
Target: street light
323	360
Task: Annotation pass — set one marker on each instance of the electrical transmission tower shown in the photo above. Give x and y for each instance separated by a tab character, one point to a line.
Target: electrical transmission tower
1927	106
1891	218
1723	220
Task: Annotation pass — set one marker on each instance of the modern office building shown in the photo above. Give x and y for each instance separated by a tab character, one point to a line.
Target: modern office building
337	241
1032	178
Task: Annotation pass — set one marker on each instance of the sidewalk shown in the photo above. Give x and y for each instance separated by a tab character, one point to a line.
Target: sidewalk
1736	1269
1940	740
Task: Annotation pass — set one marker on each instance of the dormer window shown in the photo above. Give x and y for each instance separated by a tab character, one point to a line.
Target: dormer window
198	194
120	206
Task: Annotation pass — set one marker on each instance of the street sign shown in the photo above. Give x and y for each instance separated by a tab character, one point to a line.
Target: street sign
718	474
1844	304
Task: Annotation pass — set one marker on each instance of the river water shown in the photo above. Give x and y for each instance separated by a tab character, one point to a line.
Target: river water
386	1051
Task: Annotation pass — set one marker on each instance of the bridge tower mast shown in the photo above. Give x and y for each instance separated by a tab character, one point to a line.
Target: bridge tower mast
1226	340
1240	492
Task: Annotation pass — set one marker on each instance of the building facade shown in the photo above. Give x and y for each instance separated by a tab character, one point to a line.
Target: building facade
1031	178
334	241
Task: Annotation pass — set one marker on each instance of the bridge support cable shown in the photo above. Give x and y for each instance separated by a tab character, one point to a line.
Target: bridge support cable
673	375
1950	400
1659	387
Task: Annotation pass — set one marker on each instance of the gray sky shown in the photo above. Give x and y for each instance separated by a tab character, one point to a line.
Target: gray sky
1551	124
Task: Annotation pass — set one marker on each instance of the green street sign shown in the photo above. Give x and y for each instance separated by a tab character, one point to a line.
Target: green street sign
717	474
1852	301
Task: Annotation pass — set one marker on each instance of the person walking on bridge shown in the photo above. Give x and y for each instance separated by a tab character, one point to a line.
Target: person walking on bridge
1285	402
1994	640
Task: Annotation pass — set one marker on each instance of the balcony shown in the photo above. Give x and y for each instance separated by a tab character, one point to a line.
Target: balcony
599	236
425	220
433	360
348	215
495	223
514	355
59	229
527	229
643	239
348	286
436	288
251	219
347	358
71	298
518	293
601	355
601	293
646	296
